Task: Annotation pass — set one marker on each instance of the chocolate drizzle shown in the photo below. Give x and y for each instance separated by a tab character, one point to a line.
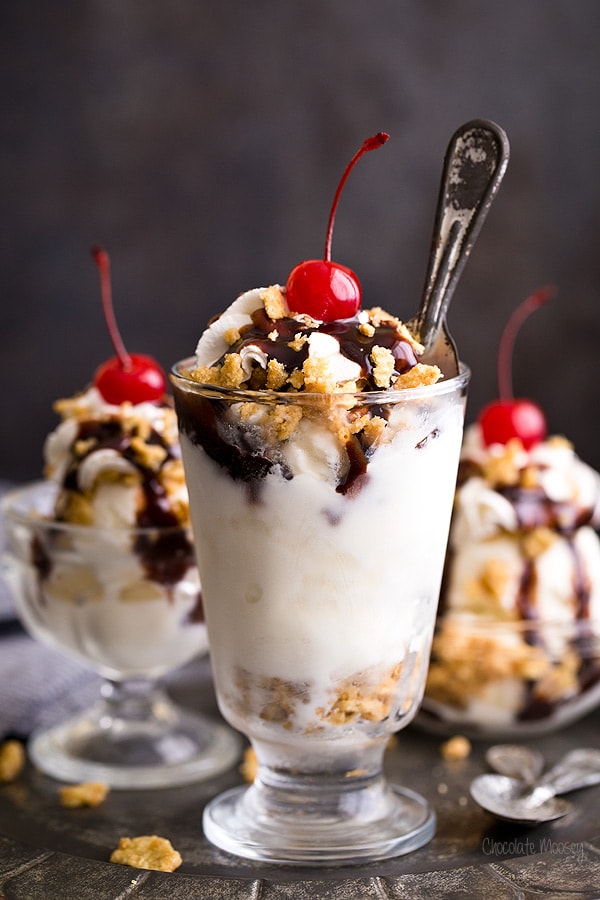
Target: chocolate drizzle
535	509
354	344
108	434
165	550
235	446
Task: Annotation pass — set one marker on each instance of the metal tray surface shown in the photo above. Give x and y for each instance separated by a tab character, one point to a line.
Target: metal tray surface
49	852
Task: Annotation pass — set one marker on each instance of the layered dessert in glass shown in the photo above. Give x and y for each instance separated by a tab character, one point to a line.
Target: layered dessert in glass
327	455
100	559
517	646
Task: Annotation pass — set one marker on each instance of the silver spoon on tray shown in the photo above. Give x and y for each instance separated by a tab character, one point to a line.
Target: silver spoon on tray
474	165
509	799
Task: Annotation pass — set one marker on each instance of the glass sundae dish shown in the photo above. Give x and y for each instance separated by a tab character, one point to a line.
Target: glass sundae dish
517	645
327	453
101	564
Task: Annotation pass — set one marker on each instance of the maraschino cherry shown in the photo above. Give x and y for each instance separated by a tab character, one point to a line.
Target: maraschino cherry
507	418
126	377
321	288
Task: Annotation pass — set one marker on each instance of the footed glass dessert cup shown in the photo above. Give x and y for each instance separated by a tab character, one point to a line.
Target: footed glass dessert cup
321	564
125	602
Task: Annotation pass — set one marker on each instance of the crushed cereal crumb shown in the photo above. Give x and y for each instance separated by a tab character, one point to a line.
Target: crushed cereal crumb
12	760
147	852
89	793
456	748
275	305
249	765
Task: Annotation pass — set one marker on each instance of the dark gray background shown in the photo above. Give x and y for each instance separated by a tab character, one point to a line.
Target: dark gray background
201	142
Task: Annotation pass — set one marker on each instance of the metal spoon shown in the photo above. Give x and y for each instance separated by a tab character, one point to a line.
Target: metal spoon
474	165
504	796
516	761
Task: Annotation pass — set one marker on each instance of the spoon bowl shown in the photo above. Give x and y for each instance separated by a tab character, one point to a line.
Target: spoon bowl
502	796
474	165
516	761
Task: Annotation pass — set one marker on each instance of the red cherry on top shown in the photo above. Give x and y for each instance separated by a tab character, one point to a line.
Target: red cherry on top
507	418
321	288
126	377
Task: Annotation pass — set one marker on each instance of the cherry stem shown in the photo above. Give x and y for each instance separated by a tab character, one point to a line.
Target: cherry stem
507	340
102	260
372	143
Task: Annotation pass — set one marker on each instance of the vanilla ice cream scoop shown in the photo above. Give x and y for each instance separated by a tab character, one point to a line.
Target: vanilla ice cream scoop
117	465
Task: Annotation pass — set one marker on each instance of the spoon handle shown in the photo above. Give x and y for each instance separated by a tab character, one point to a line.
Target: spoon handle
578	769
474	165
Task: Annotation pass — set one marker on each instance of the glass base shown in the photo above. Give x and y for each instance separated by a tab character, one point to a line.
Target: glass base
135	742
321	827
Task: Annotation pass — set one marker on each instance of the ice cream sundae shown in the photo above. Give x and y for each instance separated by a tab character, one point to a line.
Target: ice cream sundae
327	454
131	604
101	562
517	647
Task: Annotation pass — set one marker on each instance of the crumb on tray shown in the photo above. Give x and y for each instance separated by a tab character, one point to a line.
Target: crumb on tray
89	793
12	760
147	852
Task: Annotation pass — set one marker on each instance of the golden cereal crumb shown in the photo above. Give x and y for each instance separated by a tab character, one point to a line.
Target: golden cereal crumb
274	303
12	760
420	375
372	429
503	468
231	336
296	379
298	342
356	700
89	793
83	446
74	508
141	591
456	748
147	852
151	456
383	366
493	580
232	374
464	663
276	375
273	335
560	680
377	315
536	542
318	377
205	374
530	477
367	329
249	765
285	420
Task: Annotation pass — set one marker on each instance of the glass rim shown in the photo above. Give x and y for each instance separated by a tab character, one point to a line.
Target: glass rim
441	387
32	514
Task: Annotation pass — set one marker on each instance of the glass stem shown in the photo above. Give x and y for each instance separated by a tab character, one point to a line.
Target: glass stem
132	701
